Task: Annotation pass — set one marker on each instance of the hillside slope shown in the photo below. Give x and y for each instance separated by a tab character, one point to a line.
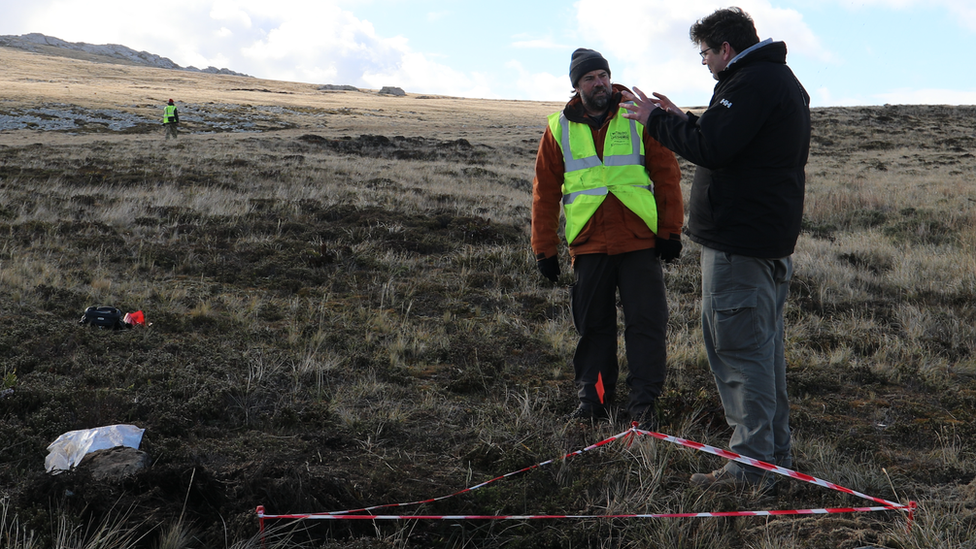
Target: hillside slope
345	313
99	53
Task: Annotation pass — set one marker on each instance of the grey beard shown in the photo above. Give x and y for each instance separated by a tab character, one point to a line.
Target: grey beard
596	102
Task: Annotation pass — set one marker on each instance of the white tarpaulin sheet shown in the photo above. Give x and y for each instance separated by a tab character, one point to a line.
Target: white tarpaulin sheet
68	450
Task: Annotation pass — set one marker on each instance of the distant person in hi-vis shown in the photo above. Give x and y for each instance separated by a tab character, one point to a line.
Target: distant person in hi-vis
619	190
171	119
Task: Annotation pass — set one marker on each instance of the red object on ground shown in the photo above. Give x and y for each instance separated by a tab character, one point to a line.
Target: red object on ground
136	318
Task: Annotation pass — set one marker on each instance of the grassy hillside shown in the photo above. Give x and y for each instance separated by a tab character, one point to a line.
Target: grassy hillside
345	313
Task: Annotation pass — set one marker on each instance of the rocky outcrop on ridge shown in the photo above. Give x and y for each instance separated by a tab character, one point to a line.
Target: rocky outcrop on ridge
39	43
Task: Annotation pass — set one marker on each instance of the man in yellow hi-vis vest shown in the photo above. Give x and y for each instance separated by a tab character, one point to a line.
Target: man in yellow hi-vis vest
620	193
171	119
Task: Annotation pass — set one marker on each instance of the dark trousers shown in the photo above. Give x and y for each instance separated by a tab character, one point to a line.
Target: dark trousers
639	279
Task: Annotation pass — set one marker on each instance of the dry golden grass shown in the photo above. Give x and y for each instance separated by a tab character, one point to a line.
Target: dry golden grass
30	80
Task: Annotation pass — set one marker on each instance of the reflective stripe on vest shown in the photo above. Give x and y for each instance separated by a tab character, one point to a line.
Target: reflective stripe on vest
634	158
587	180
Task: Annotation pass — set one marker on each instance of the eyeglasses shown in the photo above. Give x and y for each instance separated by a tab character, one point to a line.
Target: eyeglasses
704	51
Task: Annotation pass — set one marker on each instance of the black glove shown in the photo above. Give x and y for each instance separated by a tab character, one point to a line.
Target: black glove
549	267
667	250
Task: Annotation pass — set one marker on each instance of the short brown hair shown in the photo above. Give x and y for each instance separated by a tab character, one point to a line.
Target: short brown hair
730	25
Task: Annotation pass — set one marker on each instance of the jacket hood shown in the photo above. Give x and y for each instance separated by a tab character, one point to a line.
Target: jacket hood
774	52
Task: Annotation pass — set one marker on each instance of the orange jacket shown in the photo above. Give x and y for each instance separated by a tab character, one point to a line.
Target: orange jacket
613	229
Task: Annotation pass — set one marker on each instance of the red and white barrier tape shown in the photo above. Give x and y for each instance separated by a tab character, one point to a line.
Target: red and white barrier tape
623	435
320	516
627	435
765	466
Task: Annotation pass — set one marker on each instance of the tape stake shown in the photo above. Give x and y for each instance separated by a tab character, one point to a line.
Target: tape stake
260	512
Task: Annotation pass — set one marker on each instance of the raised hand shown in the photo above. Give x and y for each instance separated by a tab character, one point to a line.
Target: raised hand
637	106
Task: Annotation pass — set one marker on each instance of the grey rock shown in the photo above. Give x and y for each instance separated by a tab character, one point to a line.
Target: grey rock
337	87
114	464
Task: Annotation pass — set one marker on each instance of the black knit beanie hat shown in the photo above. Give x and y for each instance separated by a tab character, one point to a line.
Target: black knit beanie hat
584	61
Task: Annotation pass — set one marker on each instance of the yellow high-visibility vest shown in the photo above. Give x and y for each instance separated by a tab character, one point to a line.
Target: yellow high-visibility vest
587	179
169	113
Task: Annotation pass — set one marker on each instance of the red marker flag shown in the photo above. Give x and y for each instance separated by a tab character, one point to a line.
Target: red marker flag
599	387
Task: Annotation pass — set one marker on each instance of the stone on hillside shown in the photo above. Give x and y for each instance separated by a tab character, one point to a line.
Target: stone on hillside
337	87
114	464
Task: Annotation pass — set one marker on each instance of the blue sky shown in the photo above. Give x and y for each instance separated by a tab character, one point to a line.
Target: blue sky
846	52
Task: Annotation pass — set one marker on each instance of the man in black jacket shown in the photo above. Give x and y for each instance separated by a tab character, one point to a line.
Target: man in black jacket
751	147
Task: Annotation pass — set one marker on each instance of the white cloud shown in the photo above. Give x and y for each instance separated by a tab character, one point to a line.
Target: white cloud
824	96
540	86
228	11
295	40
319	43
111	20
659	55
664	26
415	72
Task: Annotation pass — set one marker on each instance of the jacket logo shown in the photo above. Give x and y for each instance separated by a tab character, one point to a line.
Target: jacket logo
726	103
620	137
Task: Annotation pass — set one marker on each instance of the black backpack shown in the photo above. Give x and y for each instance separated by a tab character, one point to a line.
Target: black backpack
104	318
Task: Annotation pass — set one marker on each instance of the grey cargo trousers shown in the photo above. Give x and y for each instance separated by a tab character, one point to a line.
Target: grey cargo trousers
742	323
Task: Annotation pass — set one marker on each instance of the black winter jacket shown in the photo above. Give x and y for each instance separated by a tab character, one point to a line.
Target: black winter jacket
750	146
